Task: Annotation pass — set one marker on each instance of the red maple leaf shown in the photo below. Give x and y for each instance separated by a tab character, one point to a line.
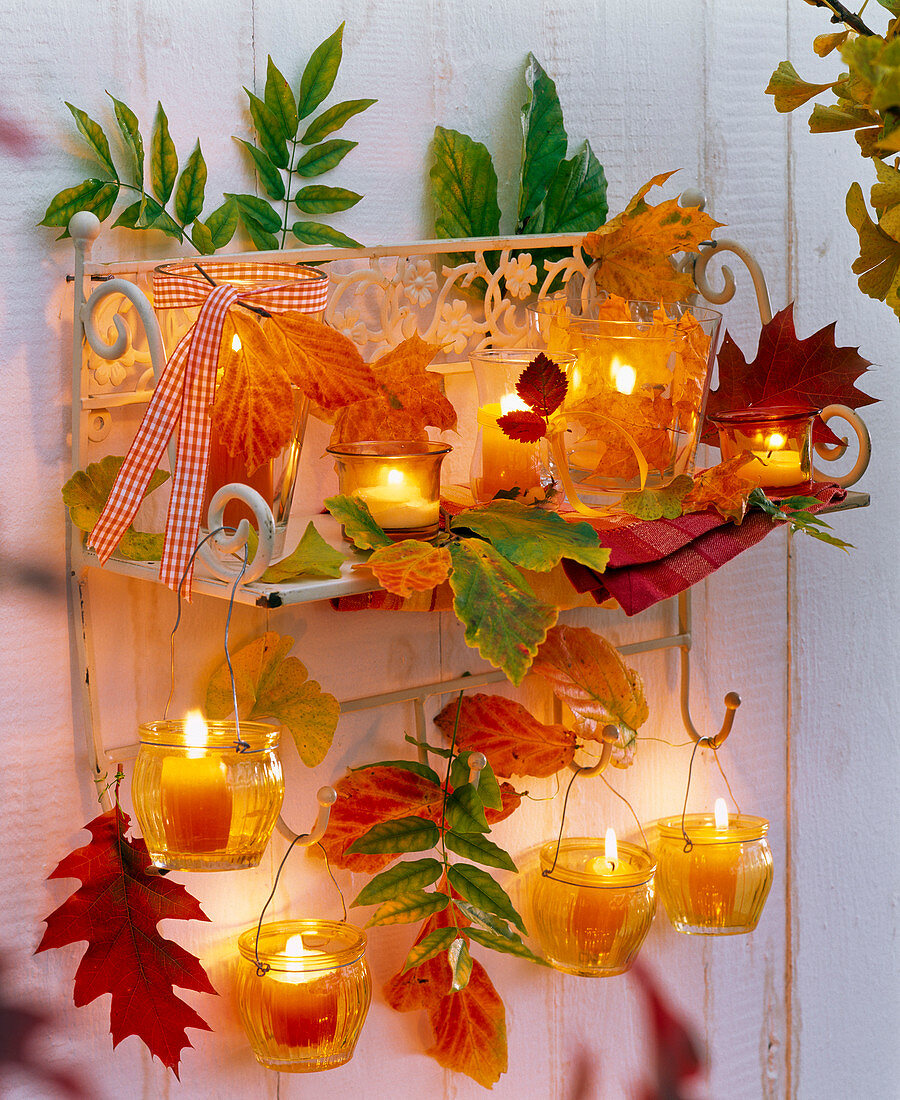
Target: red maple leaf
525	426
542	385
116	909
787	372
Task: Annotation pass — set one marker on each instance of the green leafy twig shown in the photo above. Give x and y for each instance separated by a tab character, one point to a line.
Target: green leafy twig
794	511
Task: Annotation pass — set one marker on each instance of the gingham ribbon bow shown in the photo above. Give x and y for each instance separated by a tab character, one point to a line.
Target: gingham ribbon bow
185	393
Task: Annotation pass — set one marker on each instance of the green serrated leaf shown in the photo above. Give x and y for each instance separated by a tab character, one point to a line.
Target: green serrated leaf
544	141
576	197
533	538
163	158
312	557
405	765
432	944
268	130
319	199
463	187
402	878
323	157
86	493
253	208
280	100
202	239
480	889
465	811
334	118
320	73
191	188
222	223
503	618
96	195
356	519
407	908
269	175
131	133
512	946
317	233
479	849
93	133
405	834
460	964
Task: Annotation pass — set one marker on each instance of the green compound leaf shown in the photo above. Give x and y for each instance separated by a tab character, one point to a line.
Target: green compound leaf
86	493
93	133
489	921
191	188
163	158
202	239
269	175
480	889
463	187
460	964
488	787
312	557
402	878
799	519
131	134
465	811
223	222
98	196
147	212
576	197
317	233
320	73
280	100
532	538
789	89
664	502
359	527
503	618
478	849
323	157
513	946
407	908
334	118
269	131
406	834
252	208
432	944
405	765
544	139
319	199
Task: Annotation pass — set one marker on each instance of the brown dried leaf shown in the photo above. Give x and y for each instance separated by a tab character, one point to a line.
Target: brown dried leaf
721	487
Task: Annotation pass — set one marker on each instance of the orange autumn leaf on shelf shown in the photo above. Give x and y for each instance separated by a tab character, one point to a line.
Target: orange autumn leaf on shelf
634	247
253	410
410	566
513	740
409	399
721	487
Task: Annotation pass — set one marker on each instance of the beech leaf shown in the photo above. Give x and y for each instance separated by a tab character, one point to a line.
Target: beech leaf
665	502
312	557
270	684
532	538
86	493
357	521
410	566
402	878
504	621
408	908
470	1030
117	909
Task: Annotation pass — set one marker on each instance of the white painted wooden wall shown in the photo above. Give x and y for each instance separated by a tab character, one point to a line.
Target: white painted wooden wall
808	1005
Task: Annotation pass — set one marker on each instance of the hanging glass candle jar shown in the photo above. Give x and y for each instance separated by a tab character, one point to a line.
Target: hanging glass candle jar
592	913
718	887
305	1011
203	801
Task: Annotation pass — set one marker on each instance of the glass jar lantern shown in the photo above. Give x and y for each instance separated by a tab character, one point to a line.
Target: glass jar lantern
203	803
778	443
305	1011
591	915
720	885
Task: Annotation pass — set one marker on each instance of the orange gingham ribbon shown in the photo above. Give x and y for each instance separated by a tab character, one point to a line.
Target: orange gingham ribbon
185	393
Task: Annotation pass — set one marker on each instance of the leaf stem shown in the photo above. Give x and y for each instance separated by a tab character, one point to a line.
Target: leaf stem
444	857
287	190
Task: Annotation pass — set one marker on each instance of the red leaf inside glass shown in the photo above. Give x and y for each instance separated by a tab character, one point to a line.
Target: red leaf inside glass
525	426
542	385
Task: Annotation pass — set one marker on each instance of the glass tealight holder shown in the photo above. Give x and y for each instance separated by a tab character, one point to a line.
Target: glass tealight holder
498	462
591	916
719	886
399	482
305	1011
778	443
209	806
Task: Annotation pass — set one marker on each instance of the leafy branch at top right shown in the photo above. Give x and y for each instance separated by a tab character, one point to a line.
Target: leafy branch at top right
867	101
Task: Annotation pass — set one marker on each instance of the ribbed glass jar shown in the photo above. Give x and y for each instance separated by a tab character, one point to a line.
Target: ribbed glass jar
720	886
207	807
305	1013
591	918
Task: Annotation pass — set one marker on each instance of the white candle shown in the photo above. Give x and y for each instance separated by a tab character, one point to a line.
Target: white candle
398	504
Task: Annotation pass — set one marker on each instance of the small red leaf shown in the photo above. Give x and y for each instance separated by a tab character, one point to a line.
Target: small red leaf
542	385
525	426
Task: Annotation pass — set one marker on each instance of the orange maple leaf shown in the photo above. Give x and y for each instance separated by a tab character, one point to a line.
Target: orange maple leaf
634	247
721	487
410	566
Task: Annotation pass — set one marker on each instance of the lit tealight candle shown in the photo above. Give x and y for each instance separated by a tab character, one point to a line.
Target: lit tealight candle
623	376
398	504
196	800
300	1005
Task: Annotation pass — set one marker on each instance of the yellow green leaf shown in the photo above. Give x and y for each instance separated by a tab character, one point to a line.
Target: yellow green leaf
878	262
788	88
312	557
86	493
658	503
407	908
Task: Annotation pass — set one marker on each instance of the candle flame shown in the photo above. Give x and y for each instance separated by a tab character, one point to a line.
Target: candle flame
395	477
295	948
236	343
775	441
511	402
611	847
196	734
720	812
623	376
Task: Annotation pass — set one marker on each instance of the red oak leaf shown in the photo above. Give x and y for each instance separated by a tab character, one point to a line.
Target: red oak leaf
116	909
788	372
542	385
525	426
514	742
